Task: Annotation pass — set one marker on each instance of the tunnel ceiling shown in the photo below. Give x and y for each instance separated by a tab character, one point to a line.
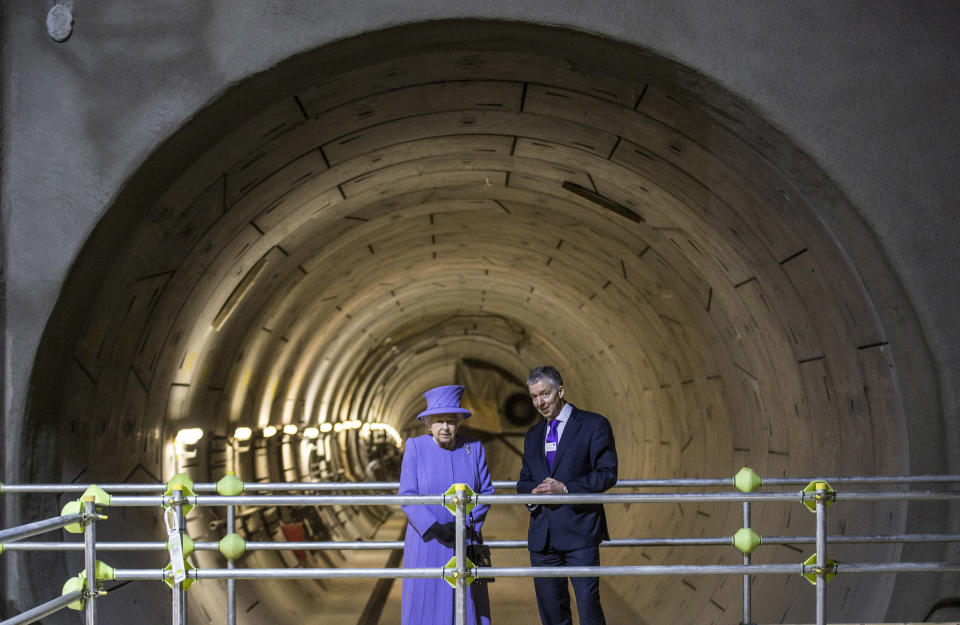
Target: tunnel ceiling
346	247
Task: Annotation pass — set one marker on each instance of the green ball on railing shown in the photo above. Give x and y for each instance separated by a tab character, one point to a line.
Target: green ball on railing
232	546
747	480
230	485
746	540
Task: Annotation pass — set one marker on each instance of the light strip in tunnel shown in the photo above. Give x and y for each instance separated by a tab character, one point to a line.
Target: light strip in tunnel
178	454
382	427
242	434
189	436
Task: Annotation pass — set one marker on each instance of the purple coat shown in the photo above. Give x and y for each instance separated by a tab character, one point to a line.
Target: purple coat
428	469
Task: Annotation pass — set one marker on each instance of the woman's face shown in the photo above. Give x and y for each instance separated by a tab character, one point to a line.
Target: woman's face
443	429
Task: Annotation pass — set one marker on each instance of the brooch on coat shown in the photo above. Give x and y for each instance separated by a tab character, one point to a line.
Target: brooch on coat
466	446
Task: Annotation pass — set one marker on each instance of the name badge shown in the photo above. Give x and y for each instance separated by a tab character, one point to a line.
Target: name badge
550	447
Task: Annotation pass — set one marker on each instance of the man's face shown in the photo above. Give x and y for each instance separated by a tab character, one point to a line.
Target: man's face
546	399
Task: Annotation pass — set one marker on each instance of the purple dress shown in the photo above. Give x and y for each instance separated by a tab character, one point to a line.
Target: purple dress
428	469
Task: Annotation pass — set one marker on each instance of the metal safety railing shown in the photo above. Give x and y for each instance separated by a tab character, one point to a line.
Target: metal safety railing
75	594
178	496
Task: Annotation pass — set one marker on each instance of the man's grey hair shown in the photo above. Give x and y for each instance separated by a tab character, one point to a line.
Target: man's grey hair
550	374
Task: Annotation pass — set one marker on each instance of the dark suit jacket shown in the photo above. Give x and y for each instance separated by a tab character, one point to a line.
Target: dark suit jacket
586	462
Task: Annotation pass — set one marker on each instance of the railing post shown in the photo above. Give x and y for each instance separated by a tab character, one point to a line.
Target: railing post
747	480
746	561
461	555
90	556
178	596
231	583
822	566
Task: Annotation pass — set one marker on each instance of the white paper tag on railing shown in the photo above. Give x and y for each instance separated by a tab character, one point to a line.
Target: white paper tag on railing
175	543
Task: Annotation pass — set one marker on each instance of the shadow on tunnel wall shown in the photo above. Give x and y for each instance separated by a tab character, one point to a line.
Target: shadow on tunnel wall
336	235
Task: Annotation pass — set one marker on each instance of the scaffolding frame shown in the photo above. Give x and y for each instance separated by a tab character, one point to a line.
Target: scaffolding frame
181	494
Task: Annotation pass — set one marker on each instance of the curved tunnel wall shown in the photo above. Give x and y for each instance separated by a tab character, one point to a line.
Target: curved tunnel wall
347	246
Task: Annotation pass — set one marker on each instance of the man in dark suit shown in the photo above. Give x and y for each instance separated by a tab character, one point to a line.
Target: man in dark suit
570	451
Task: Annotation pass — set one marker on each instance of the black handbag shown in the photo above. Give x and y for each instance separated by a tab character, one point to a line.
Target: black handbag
478	553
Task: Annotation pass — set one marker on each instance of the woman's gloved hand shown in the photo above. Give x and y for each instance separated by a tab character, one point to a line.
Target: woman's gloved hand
443	533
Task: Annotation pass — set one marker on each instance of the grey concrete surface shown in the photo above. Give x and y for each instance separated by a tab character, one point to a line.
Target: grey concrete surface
853	102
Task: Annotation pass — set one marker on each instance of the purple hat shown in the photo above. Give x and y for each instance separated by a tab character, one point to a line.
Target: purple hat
444	400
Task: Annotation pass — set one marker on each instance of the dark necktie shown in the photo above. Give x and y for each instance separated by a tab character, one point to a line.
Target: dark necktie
552	438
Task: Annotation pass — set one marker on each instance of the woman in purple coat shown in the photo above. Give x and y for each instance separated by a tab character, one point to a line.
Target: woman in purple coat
431	463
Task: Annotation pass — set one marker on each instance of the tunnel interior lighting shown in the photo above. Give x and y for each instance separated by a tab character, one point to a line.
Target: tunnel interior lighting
382	427
338	427
189	436
242	433
182	452
326	427
269	431
311	432
289	429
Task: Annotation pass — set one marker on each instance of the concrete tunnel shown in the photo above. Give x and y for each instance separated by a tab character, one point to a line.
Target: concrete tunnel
403	204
